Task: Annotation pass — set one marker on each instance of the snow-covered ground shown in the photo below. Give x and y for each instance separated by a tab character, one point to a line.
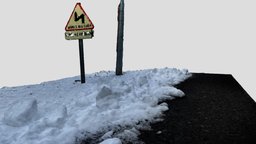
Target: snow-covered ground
107	109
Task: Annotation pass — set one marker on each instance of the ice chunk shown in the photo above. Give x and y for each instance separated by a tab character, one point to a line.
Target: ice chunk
112	141
176	92
107	135
168	91
20	113
57	117
106	99
129	135
104	92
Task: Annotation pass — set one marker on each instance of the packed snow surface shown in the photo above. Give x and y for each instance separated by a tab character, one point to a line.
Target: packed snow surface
107	107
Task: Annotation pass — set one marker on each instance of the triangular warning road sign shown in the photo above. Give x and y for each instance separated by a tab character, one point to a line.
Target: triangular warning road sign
79	20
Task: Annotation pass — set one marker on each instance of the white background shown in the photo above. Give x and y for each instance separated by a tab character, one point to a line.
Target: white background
211	36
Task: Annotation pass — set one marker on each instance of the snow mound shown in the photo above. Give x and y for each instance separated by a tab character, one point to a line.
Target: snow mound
20	113
107	109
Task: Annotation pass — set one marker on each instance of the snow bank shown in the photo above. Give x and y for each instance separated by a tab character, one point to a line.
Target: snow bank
106	109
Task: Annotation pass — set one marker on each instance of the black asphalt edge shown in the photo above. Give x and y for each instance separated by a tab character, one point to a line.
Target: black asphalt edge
216	110
230	75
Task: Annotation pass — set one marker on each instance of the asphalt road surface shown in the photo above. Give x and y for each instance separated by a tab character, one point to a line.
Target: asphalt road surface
216	109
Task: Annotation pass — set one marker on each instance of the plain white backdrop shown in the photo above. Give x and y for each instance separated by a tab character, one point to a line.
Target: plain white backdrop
217	36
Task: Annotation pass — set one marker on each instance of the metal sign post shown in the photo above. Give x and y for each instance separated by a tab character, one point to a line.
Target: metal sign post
81	54
79	27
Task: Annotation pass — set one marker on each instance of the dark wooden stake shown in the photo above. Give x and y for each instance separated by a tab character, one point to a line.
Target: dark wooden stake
120	39
81	53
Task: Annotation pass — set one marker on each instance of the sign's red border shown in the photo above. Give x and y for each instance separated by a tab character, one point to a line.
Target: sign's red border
79	4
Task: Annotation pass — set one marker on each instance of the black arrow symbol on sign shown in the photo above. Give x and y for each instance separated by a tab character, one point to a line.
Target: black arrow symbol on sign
77	18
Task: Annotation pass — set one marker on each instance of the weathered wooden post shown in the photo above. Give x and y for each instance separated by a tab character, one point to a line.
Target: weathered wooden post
120	39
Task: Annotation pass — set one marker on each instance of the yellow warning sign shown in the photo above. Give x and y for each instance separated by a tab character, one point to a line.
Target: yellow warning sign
79	20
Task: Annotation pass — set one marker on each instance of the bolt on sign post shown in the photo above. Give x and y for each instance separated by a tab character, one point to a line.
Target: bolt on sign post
79	27
120	39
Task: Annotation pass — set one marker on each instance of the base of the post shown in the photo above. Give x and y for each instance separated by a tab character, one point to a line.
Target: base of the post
119	72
